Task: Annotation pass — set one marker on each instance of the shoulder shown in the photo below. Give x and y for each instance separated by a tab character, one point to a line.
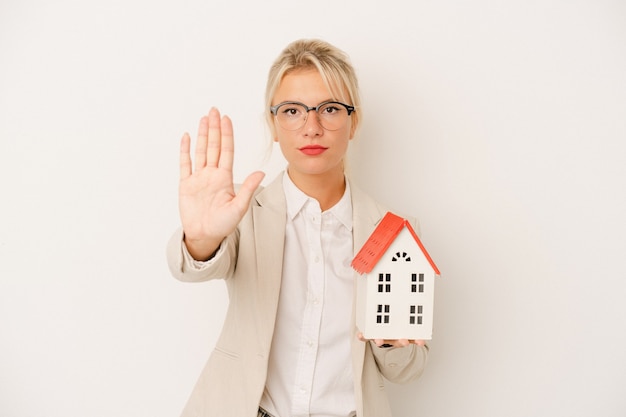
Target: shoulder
367	206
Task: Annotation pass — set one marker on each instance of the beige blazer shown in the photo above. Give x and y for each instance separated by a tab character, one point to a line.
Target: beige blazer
250	261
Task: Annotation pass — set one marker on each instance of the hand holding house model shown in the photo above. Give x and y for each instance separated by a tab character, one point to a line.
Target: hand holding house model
395	294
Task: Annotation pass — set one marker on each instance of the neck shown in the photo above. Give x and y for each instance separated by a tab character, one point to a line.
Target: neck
327	189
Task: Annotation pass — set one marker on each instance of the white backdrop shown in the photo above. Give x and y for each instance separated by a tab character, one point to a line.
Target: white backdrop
501	125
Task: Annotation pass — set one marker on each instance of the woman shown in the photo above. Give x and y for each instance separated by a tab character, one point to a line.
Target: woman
289	345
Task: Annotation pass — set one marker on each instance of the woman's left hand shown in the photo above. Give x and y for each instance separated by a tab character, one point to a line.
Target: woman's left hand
392	343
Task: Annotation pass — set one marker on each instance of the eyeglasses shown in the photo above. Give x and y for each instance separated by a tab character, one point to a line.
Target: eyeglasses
292	115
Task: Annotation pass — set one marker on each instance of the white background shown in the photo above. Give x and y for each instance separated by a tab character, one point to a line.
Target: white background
501	125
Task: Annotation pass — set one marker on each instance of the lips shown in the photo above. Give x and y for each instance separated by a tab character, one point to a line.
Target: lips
312	150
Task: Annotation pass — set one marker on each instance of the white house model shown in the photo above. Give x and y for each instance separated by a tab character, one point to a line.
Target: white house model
395	294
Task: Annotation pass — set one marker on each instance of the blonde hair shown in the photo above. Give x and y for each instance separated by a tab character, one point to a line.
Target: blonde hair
333	65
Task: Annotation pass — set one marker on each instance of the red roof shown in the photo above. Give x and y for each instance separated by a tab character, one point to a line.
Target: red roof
380	240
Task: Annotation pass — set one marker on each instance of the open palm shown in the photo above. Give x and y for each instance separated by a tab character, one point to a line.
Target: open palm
209	208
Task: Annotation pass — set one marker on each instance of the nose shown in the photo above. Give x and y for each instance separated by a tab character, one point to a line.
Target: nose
312	125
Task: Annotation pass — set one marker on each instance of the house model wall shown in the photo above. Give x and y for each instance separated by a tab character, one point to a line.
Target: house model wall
395	293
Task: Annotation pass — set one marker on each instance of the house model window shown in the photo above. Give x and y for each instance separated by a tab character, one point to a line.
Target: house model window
395	292
415	316
414	281
383	313
384	282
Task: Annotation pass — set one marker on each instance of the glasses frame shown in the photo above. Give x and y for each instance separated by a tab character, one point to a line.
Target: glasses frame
274	109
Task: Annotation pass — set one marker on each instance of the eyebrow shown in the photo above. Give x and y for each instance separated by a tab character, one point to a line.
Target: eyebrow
302	102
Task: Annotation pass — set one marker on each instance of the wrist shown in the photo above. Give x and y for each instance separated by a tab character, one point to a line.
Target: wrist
201	249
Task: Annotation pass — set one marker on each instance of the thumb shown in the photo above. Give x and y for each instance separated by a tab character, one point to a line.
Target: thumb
247	189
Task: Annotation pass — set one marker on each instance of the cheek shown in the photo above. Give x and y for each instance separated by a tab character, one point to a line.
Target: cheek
281	137
285	149
341	147
346	135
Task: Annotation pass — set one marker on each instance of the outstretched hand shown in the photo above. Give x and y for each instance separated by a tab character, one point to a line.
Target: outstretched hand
209	208
392	343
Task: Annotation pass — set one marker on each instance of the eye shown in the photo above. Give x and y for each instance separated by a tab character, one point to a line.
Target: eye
290	110
330	109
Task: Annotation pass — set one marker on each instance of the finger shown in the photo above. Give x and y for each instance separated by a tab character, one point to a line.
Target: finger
227	149
201	143
185	158
419	342
249	186
214	139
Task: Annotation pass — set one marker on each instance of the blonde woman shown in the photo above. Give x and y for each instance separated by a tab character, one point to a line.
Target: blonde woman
289	346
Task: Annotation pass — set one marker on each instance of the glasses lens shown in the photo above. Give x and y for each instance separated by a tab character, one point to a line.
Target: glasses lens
291	116
333	116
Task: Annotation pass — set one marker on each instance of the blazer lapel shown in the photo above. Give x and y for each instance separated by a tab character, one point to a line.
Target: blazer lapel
270	214
366	215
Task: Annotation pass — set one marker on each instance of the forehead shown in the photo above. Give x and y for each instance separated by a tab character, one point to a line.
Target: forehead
306	86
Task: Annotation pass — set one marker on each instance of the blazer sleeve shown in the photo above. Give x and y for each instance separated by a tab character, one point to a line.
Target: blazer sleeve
400	365
221	266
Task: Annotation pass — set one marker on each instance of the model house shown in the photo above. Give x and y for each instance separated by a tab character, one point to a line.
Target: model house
395	292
